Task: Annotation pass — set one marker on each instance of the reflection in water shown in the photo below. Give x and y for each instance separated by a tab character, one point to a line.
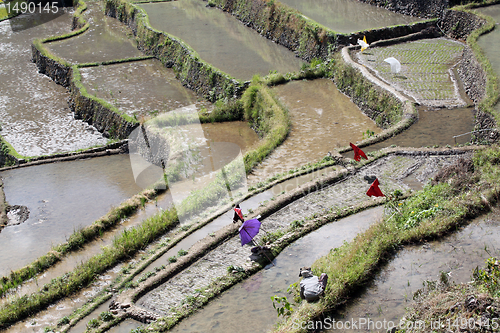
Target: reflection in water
247	307
61	197
34	111
106	39
322	119
221	39
458	254
347	15
142	88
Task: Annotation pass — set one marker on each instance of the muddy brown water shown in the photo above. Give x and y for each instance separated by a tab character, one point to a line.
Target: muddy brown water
393	288
61	197
142	87
220	39
434	127
348	15
34	111
247	307
322	119
106	39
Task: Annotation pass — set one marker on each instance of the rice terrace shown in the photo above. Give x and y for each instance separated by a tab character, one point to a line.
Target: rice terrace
249	166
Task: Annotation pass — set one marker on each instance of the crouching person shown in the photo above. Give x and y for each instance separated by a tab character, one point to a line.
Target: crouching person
312	287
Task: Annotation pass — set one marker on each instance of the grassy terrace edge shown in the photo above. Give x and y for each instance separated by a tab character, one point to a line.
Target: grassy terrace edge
262	108
205	79
353	264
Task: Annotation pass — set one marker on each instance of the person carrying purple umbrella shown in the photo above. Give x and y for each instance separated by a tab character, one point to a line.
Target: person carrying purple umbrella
312	287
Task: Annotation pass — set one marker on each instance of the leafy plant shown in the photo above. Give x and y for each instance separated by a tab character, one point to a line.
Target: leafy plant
182	252
282	306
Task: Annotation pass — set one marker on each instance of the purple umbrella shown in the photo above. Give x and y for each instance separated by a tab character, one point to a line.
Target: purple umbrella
248	230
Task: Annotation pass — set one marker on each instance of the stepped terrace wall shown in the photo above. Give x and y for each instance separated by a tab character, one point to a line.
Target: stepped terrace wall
305	37
194	73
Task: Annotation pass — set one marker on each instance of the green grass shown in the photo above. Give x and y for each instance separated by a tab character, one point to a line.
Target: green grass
429	214
5	14
378	104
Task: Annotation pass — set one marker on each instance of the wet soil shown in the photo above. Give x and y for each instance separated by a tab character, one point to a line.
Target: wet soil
456	256
348	16
35	115
106	39
141	88
391	172
220	39
322	119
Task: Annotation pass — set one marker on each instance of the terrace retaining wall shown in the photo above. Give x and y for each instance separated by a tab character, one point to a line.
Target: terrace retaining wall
288	27
105	120
204	79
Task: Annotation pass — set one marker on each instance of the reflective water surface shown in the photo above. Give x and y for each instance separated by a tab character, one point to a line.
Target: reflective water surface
221	39
34	111
348	15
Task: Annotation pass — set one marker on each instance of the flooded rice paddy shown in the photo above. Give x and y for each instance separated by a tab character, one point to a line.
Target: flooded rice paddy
62	197
65	196
247	307
322	119
106	39
141	88
347	16
221	39
425	74
34	112
435	127
456	255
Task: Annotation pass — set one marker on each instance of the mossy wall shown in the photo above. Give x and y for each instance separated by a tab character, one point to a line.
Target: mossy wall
194	73
103	116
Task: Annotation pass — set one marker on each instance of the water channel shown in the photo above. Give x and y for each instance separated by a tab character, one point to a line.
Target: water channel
456	255
34	111
221	39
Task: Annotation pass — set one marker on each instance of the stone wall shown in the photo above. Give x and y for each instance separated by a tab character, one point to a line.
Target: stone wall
459	25
3	206
192	72
485	122
472	76
419	8
288	27
58	72
97	114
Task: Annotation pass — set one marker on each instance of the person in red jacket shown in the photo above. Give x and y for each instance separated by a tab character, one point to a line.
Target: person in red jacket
238	214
